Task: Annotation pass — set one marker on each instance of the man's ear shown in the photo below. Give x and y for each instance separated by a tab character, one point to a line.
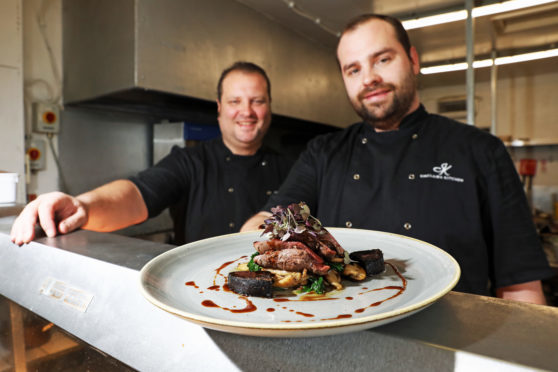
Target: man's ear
415	60
218	107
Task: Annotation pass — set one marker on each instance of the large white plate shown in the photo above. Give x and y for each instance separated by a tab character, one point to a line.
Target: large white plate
186	279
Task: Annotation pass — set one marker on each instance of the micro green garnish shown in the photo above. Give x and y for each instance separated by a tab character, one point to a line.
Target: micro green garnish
290	221
336	265
314	285
252	266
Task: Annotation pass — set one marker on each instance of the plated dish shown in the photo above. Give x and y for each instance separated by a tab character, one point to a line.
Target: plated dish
190	281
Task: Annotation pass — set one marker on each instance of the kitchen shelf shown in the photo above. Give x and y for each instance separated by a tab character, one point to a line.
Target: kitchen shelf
532	142
57	345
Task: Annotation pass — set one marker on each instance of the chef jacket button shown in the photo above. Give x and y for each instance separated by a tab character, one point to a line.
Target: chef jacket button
230	189
264	163
275	192
364	141
411	176
228	158
356	176
231	224
414	136
349	224
407	226
268	192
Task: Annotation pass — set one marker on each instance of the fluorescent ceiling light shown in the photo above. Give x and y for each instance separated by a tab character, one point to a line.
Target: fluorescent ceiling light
507	6
460	15
488	62
435	20
527	57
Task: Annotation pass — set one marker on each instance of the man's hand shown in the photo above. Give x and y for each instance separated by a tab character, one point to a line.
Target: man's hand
56	212
254	222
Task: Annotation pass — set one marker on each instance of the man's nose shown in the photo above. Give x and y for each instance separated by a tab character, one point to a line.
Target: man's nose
246	108
371	77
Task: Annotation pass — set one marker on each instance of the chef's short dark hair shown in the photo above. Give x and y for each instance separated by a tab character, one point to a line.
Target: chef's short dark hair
400	32
243	66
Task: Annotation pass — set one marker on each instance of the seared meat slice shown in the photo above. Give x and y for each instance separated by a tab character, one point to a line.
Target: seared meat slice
315	244
326	237
326	251
324	243
292	259
276	245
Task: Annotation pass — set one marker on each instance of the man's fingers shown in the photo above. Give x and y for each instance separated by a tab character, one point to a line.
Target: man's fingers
46	213
23	229
73	222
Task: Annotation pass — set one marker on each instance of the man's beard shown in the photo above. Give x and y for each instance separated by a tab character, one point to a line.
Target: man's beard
387	115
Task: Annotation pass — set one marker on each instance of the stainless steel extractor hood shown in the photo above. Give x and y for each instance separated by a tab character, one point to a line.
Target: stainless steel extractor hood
165	56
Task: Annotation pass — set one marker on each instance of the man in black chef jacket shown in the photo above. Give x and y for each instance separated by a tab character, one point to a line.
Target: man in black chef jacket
406	171
220	182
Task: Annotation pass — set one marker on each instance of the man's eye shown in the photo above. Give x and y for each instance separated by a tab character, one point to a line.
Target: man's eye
352	71
384	60
234	102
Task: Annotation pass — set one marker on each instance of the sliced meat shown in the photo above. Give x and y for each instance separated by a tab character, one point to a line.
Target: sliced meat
292	259
315	244
326	251
323	242
277	245
327	238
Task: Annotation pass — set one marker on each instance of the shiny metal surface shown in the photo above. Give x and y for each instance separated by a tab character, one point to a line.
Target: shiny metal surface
180	47
118	321
459	332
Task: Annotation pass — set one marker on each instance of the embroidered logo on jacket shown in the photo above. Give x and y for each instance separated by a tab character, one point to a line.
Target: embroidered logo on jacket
442	173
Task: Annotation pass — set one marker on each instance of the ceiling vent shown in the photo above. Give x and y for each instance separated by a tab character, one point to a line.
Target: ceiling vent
526	19
455	107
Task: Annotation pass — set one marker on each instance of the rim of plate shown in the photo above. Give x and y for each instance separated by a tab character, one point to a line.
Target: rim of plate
300	326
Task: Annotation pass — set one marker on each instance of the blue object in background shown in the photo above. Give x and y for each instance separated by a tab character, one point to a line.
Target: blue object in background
200	132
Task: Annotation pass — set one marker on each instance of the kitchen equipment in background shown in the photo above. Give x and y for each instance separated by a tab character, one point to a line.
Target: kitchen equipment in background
166	135
8	188
527	171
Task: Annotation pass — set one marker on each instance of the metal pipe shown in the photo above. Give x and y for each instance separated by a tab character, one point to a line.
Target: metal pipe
470	75
493	81
493	94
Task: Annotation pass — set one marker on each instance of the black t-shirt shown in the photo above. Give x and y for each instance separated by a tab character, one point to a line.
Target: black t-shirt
218	191
434	179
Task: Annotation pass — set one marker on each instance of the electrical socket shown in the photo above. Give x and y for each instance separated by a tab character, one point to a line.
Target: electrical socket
46	118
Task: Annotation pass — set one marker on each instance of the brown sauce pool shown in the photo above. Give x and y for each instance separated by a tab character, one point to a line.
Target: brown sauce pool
250	307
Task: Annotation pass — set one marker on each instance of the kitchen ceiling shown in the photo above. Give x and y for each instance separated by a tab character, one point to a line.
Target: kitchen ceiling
514	32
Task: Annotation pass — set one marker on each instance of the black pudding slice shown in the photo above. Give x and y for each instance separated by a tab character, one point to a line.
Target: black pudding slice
252	283
372	260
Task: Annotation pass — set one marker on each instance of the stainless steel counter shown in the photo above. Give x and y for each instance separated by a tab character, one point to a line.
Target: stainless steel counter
459	332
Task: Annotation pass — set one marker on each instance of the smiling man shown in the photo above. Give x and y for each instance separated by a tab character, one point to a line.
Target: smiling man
244	107
379	75
218	183
406	171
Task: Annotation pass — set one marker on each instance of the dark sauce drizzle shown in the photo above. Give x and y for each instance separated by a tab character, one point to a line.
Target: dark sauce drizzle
250	307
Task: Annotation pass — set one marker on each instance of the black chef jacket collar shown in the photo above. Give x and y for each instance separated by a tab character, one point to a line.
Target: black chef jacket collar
228	153
410	124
